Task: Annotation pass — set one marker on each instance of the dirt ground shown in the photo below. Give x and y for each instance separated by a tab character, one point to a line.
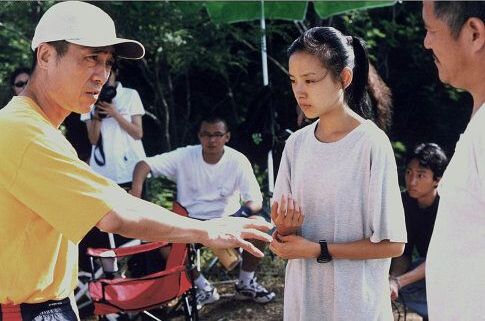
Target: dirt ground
271	275
229	309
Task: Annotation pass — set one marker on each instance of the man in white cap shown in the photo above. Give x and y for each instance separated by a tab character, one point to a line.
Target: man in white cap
49	198
455	264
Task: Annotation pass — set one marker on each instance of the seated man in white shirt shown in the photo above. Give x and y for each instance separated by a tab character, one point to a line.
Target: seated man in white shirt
212	179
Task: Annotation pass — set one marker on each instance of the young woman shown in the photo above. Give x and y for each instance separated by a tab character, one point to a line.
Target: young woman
341	173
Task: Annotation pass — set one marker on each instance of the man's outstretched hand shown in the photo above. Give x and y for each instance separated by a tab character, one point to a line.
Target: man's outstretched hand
231	232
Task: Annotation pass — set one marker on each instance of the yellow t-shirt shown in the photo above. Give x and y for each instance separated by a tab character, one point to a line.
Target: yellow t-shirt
49	200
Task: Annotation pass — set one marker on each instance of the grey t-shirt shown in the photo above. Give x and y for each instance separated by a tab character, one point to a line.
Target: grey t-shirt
348	191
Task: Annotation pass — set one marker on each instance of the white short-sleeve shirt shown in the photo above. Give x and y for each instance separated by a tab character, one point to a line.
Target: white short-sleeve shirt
122	151
348	191
455	265
208	191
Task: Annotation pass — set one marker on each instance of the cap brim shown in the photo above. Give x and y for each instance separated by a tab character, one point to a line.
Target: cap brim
124	48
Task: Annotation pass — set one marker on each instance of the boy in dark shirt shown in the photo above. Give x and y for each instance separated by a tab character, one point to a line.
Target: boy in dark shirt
425	166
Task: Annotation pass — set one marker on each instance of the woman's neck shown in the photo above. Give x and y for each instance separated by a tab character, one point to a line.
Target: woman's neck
337	123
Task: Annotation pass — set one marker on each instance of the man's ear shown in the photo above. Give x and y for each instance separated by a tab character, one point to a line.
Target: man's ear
228	137
346	76
45	53
436	181
475	29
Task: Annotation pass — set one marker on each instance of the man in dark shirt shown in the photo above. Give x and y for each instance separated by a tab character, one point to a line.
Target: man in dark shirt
425	166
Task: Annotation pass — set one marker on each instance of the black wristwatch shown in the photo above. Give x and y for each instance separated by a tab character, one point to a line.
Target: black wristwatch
325	256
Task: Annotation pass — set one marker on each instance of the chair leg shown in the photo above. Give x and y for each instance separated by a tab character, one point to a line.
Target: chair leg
193	300
150	315
187	309
190	308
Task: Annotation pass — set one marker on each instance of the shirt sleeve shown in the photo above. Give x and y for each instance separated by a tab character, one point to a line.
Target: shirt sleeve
283	178
63	190
165	164
386	213
136	105
248	185
408	249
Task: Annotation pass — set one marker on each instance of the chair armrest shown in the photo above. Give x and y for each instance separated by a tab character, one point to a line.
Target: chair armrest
125	251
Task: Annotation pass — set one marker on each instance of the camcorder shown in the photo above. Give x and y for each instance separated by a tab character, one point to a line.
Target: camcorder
106	94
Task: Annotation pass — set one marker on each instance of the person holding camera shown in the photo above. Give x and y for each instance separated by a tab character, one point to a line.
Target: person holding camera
115	130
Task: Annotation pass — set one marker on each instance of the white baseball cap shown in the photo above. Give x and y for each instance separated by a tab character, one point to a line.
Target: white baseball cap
86	25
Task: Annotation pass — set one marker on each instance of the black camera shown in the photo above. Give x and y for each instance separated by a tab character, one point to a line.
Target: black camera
106	94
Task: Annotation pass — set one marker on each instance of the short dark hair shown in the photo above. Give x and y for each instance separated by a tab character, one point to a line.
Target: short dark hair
212	119
16	72
456	13
61	47
430	155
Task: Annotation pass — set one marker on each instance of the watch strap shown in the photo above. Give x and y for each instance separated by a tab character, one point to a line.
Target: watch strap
325	256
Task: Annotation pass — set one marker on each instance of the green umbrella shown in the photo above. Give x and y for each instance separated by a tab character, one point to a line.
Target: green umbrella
237	11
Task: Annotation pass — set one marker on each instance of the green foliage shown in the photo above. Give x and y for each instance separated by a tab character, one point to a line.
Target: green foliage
160	191
16	30
399	149
257	138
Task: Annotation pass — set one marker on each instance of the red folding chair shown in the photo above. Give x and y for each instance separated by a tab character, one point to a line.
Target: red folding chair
156	289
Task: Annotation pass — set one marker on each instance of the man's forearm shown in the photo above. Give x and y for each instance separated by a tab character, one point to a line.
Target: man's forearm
137	218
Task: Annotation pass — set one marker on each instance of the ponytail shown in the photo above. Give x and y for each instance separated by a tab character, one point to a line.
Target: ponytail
356	92
376	106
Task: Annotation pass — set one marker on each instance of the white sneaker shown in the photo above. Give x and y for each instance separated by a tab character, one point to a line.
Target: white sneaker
254	291
204	297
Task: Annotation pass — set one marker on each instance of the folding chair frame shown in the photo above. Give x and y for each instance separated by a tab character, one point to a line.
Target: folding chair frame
151	291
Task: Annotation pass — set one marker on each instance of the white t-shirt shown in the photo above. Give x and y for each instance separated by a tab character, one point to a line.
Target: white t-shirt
122	151
455	266
348	191
208	191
